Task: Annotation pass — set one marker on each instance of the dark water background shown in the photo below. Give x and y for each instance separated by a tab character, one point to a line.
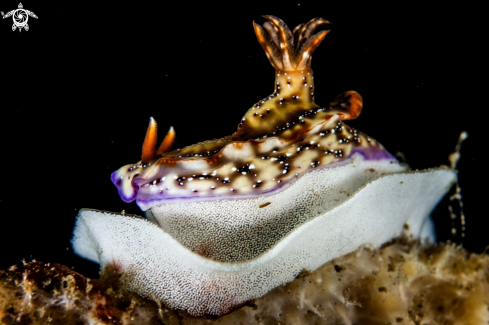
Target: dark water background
78	88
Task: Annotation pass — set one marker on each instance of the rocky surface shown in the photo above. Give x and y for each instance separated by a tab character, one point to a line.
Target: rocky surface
404	282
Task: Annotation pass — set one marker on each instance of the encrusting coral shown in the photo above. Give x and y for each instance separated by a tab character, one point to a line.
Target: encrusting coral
403	282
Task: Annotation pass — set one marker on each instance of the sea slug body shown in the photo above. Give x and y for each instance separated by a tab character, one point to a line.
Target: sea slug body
294	187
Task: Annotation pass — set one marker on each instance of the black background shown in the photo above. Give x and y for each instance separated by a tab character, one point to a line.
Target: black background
78	88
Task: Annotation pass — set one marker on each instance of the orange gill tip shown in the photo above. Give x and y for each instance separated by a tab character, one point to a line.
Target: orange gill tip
259	34
149	144
269	46
315	41
272	17
167	141
308	48
286	40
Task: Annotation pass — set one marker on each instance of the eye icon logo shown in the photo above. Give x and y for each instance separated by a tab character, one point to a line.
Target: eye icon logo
20	17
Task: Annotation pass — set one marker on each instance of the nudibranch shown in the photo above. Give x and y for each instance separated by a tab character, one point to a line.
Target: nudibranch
292	188
279	139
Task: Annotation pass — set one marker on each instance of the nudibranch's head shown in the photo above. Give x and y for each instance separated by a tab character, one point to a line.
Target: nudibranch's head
279	139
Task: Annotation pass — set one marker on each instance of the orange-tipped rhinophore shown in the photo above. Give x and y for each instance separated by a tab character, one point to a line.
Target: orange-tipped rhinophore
167	141
149	144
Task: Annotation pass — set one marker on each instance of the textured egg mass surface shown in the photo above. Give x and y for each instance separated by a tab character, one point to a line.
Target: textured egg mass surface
241	229
156	265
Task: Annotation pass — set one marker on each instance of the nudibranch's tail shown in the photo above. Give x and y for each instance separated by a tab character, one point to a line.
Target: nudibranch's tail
149	145
286	50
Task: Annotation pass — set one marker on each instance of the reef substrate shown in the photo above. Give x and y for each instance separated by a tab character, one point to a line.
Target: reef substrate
403	282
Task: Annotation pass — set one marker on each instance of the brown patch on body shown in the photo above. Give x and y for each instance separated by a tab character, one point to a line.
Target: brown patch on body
264	204
204	250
